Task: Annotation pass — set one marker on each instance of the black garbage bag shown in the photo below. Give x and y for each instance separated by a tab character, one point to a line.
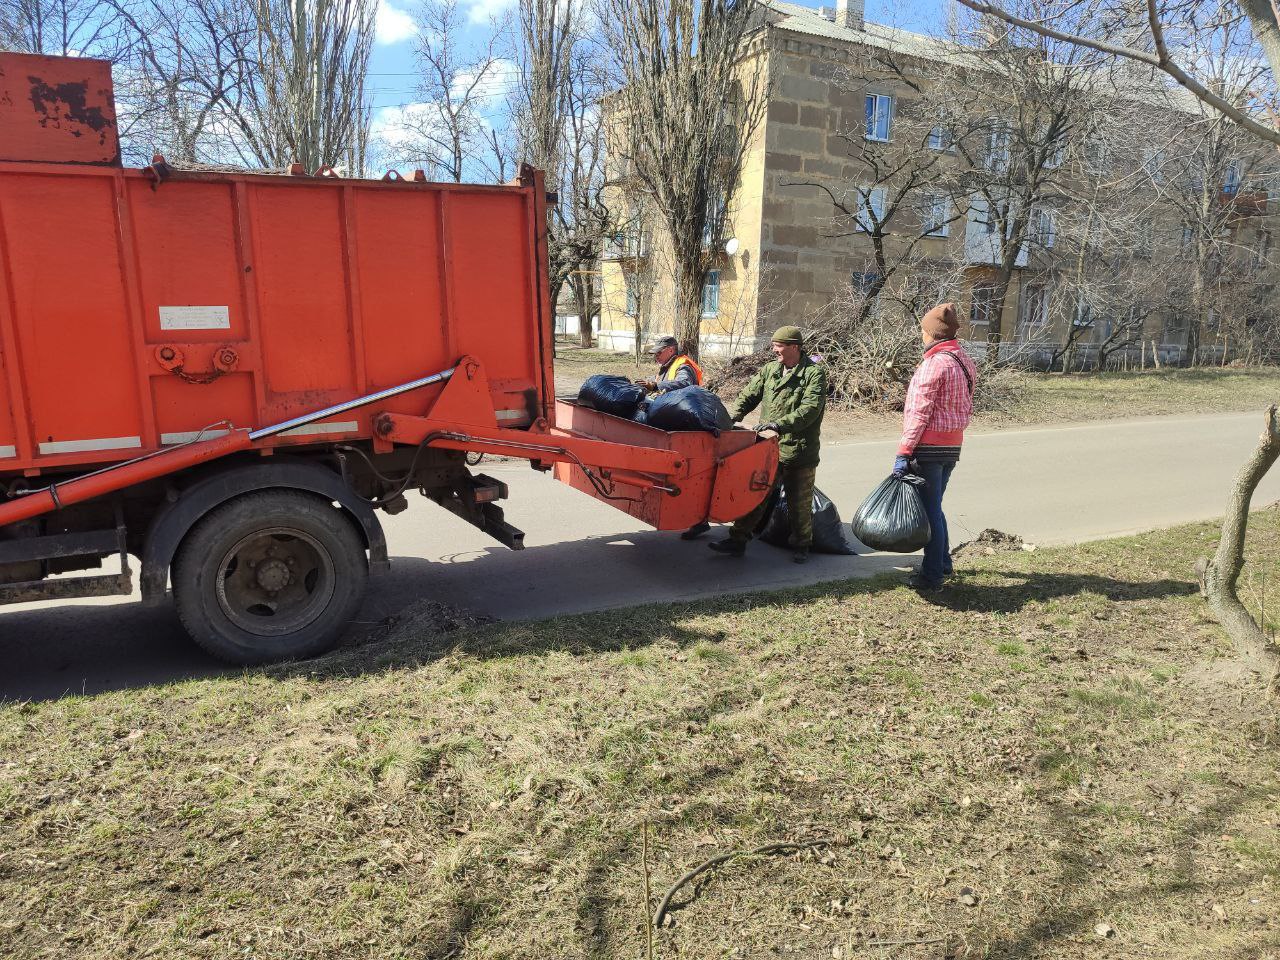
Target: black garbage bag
689	408
828	531
893	517
610	394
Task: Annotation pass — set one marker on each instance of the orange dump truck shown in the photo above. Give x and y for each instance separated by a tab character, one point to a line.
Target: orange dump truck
225	376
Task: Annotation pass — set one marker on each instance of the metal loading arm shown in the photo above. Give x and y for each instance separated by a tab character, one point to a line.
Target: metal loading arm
118	476
463	418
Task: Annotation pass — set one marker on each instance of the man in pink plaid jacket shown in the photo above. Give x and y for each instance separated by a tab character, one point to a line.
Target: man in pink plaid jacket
939	407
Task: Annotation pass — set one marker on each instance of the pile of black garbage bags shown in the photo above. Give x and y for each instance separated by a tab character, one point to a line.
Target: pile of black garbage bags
689	408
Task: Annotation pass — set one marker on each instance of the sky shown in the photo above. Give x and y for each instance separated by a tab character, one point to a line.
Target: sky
392	75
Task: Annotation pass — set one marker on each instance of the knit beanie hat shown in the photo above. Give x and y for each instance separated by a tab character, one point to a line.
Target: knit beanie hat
941	322
787	335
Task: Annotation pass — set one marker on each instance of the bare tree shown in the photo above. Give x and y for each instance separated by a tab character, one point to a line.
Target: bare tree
462	85
1199	27
1209	181
690	99
1028	97
263	83
309	105
581	217
1220	574
59	27
189	68
1096	252
560	84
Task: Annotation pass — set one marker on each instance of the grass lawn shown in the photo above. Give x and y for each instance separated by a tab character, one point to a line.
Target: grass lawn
1055	397
1024	767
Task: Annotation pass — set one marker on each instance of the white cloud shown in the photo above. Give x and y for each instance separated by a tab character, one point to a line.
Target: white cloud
393	25
495	82
484	11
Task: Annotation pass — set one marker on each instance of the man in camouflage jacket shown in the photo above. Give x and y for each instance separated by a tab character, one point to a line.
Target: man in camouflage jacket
791	392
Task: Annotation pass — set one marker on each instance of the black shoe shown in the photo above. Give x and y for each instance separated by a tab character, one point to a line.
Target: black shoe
694	532
729	547
917	582
801	555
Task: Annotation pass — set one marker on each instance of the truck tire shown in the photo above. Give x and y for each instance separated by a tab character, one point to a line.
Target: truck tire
270	576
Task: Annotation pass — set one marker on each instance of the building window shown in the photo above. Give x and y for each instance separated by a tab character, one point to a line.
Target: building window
995	214
711	294
1054	150
863	285
1146	240
1231	180
633	304
1035	309
1095	155
1137	318
879	114
1084	313
941	139
715	221
1262	252
935	215
1175	330
870	209
984	305
1153	162
1044	231
997	158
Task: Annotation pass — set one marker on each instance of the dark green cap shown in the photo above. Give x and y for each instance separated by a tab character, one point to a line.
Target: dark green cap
787	335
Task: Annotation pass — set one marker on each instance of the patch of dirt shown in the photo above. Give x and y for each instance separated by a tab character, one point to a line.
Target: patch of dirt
427	617
990	542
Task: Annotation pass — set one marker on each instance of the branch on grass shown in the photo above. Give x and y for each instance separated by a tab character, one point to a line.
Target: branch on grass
770	849
1219	574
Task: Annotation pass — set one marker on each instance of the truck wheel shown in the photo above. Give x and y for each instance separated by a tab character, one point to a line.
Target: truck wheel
269	576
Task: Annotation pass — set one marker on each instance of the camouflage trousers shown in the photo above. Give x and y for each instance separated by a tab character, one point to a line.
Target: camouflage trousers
798	483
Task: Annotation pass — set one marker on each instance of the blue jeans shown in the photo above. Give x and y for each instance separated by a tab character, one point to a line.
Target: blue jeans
937	554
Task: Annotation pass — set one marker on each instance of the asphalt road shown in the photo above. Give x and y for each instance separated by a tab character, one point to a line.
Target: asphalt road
1050	485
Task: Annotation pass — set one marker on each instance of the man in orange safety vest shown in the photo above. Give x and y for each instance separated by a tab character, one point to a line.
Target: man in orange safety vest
676	370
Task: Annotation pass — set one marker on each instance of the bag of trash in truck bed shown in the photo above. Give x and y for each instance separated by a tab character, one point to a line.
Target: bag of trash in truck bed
689	408
610	394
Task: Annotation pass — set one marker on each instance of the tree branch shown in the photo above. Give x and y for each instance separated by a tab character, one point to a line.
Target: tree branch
1162	61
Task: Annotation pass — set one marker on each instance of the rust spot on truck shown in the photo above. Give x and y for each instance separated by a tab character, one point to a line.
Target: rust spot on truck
66	106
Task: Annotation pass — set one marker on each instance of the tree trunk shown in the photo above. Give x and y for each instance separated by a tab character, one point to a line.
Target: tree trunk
688	309
583	302
1219	574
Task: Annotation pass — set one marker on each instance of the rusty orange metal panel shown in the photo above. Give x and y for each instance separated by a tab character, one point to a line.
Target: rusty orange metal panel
492	287
302	291
69	313
57	110
401	291
719	473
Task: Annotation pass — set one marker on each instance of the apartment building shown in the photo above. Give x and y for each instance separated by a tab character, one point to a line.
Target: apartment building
789	254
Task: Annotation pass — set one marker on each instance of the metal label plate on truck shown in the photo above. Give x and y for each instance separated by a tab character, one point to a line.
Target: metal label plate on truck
195	318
